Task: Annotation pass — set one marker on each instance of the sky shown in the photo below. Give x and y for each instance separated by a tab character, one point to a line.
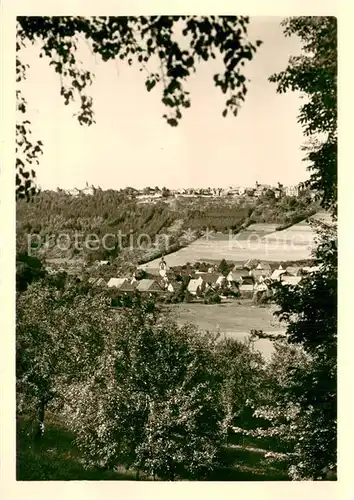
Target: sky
132	145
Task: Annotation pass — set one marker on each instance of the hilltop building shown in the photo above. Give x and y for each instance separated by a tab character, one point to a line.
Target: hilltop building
292	190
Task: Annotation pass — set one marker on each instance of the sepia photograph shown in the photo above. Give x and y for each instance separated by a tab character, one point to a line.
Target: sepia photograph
176	248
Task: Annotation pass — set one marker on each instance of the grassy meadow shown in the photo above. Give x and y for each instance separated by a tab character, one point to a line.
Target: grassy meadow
233	318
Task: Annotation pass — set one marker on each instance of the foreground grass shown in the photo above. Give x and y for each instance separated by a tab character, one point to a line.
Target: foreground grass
56	458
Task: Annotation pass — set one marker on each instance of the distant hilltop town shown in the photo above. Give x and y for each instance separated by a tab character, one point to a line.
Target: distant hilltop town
232	191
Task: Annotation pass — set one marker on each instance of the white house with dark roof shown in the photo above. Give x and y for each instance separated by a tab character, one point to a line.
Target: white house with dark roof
260	274
236	277
196	285
310	269
173	286
277	273
265	266
290	280
246	288
251	263
211	279
293	270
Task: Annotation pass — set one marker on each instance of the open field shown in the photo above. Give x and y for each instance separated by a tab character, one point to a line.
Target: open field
233	318
300	234
258	241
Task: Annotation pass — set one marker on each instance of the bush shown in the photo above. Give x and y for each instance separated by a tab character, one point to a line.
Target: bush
213	298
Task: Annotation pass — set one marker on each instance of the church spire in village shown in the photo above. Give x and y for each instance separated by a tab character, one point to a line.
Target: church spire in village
163	266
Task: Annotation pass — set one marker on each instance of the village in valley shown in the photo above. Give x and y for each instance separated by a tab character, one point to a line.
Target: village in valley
202	278
202	282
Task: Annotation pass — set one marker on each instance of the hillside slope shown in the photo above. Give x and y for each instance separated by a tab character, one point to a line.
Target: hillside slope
146	229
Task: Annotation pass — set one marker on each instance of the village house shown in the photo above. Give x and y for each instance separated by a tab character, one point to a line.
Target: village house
258	192
236	277
292	190
238	267
97	282
88	190
293	270
276	274
196	286
261	286
147	197
261	189
165	281
260	275
246	288
264	266
261	272
233	191
73	192
148	286
51	270
310	269
290	280
127	288
116	282
174	286
211	279
251	264
100	263
133	280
